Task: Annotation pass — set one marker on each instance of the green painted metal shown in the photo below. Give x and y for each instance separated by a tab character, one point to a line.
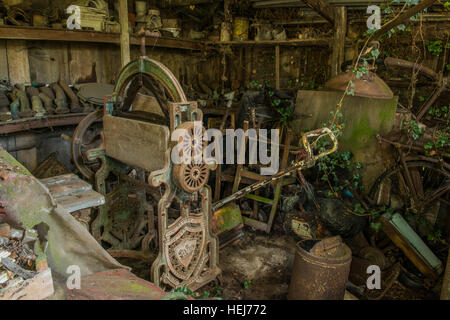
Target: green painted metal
227	218
259	199
119	208
153	69
121	219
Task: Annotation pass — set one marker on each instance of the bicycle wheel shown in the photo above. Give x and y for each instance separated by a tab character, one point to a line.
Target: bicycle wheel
428	182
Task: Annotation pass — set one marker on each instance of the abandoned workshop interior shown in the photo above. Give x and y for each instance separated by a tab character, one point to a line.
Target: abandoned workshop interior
224	150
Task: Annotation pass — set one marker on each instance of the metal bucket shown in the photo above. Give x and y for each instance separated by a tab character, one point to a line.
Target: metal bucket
321	270
240	29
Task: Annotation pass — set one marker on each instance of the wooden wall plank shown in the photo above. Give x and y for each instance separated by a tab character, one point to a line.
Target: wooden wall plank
124	35
93	63
48	61
18	63
3	61
340	31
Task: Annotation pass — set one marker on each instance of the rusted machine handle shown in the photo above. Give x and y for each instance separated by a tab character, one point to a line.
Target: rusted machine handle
300	165
310	157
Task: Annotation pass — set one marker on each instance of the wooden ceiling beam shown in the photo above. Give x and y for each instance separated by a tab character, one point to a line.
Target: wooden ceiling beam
322	8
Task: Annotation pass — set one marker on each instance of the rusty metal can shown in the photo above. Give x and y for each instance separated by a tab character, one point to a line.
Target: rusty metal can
240	29
321	269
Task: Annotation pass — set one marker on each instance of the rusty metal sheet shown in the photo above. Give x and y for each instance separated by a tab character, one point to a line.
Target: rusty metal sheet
137	143
369	86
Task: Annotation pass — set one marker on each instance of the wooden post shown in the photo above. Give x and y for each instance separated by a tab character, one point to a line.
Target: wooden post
125	35
227	11
277	67
322	8
340	31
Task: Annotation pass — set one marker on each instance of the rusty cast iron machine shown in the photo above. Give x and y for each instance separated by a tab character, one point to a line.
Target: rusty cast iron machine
135	147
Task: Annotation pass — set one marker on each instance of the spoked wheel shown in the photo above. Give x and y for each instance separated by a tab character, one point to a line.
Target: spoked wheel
86	137
420	186
157	81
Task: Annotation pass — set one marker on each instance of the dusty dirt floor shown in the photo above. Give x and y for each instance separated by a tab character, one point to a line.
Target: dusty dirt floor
256	267
259	268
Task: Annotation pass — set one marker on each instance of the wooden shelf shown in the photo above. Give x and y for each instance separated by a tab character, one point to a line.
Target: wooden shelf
36	123
47	34
320	42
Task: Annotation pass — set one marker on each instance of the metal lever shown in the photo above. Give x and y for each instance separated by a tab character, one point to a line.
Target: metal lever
310	158
300	165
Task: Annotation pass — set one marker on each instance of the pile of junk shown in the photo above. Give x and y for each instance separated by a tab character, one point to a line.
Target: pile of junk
135	201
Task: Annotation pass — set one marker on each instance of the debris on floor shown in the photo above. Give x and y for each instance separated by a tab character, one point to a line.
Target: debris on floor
22	274
225	150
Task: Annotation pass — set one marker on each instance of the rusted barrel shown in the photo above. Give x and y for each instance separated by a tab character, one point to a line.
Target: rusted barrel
321	270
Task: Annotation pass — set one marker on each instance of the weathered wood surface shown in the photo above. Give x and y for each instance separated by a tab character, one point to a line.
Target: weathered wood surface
18	63
36	123
340	31
72	193
69	188
323	42
59	179
37	288
322	8
125	35
32	33
48	61
445	291
85	200
137	143
3	61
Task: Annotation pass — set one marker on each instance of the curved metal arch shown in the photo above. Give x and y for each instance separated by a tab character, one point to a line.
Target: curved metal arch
153	69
